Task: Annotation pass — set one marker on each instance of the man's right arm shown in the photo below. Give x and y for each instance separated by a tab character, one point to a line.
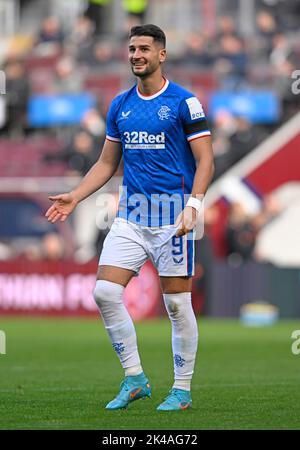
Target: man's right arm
99	174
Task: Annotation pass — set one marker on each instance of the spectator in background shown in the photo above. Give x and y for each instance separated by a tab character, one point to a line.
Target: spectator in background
231	64
234	138
101	57
68	78
96	11
224	127
244	139
51	32
286	11
80	155
81	39
226	27
221	153
282	51
17	94
53	248
196	51
241	233
93	124
266	28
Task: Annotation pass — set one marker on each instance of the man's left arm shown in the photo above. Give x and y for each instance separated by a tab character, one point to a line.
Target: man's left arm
203	154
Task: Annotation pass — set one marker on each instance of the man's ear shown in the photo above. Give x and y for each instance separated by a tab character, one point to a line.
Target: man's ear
162	55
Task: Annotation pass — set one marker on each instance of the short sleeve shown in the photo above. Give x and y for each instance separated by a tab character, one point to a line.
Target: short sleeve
193	118
112	132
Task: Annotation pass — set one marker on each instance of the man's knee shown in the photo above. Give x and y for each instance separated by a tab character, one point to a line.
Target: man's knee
107	292
181	314
177	304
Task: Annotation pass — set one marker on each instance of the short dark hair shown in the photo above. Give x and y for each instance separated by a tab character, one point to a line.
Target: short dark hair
149	30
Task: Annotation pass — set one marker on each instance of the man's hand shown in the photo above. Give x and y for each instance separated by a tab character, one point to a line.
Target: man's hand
62	207
187	220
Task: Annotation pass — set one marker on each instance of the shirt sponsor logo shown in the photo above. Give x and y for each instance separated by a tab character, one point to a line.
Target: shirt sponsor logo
164	112
195	108
143	140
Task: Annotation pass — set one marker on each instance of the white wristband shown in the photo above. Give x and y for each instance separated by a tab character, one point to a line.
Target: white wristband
194	203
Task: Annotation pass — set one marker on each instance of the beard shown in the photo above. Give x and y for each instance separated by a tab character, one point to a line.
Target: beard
149	70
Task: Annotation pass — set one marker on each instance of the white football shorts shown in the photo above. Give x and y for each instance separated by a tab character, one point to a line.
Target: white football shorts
128	246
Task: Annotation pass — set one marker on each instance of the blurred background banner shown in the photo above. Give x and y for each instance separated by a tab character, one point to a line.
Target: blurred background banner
61	109
64	61
66	289
257	107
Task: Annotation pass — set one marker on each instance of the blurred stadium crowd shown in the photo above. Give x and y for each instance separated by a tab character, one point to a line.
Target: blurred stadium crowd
49	69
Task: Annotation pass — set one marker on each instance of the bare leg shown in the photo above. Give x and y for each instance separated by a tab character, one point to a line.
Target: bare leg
115	274
174	285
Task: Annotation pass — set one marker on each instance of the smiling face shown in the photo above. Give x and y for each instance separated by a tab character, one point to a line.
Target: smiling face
145	55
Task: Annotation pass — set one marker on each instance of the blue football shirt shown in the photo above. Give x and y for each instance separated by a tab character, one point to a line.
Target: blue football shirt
159	166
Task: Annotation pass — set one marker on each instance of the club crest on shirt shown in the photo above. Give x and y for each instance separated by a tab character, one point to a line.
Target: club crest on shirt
164	112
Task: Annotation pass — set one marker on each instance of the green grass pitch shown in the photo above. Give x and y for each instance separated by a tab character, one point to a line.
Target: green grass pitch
60	373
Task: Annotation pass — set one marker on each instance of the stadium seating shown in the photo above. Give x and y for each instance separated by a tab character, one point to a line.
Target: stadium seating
13	162
104	87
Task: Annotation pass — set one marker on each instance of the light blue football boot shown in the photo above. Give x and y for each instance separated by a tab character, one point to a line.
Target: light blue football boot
177	400
132	388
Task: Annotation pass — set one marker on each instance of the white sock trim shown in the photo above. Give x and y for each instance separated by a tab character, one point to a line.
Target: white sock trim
133	371
185	385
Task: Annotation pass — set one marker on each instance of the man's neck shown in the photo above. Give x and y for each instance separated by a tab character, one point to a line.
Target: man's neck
151	85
